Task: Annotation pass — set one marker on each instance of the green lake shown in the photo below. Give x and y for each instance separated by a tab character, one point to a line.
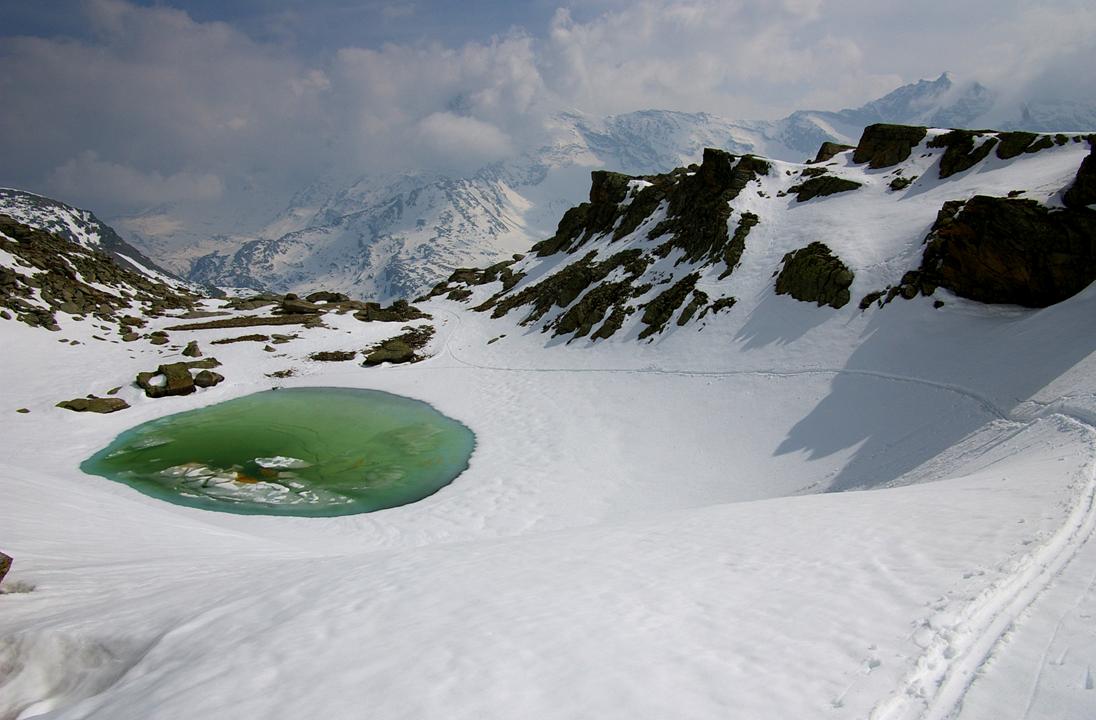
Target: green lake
309	452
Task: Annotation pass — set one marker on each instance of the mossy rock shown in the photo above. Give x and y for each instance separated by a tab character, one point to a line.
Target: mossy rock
1013	144
815	274
883	145
333	355
591	310
901	183
192	349
94	404
208	378
699	300
399	311
960	153
402	348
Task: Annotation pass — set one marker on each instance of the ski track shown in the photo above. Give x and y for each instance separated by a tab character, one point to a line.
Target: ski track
934	687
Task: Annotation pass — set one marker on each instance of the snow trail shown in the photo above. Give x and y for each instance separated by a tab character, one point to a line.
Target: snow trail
942	674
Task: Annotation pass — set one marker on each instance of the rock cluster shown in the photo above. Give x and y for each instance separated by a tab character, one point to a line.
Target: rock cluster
402	348
883	145
176	378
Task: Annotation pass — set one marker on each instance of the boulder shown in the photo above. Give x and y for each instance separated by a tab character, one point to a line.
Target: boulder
93	404
208	378
5	565
815	274
295	306
192	349
883	145
176	380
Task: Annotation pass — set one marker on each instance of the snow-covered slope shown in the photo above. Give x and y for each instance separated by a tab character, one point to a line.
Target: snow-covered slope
80	227
646	529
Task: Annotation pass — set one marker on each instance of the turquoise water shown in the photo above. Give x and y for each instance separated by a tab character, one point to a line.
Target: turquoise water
308	452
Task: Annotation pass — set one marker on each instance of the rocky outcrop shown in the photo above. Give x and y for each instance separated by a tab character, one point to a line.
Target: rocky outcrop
589	219
659	311
961	153
820	186
815	274
326	296
1083	190
1005	250
56	275
399	311
293	305
93	404
829	150
885	145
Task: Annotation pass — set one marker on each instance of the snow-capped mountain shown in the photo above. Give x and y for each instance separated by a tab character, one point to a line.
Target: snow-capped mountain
81	227
384	236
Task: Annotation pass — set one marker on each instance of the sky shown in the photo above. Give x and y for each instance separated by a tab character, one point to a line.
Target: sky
120	105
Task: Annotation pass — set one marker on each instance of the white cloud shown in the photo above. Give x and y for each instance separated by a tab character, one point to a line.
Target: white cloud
155	106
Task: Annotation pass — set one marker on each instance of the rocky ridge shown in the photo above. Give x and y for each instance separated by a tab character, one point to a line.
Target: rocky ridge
648	253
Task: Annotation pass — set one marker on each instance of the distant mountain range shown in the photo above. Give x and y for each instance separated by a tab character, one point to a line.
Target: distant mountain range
384	236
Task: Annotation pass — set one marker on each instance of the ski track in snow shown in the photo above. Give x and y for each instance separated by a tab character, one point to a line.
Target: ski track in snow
934	688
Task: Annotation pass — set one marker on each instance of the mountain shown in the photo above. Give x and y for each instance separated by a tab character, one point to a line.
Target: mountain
391	236
80	227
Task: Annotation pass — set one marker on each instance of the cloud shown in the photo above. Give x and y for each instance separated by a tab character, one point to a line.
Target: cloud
152	106
106	182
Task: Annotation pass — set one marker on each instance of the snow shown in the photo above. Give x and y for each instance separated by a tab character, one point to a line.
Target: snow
794	512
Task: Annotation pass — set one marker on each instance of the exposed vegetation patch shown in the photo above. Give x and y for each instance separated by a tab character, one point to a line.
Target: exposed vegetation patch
815	274
820	186
402	348
659	311
883	145
960	152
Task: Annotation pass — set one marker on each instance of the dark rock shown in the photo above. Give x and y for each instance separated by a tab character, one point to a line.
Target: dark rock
1015	251
23	411
659	311
130	337
901	183
207	379
192	349
732	254
158	339
960	154
94	404
1013	143
1083	190
248	338
884	145
5	565
829	150
294	306
325	296
815	274
821	186
867	300
254	302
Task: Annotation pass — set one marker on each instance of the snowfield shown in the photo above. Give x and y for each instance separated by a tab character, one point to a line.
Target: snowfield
797	512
